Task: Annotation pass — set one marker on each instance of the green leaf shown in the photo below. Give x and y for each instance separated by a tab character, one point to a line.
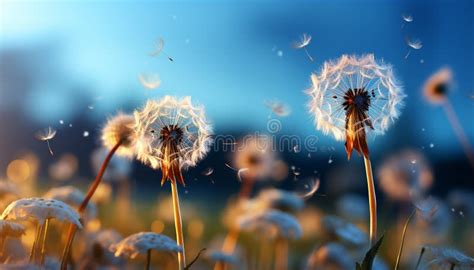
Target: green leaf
194	260
370	256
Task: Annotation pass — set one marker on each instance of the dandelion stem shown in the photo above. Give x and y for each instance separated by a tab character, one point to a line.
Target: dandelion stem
281	254
82	207
309	56
406	56
2	245
372	200
33	248
49	148
400	250
148	259
178	224
43	244
459	131
420	257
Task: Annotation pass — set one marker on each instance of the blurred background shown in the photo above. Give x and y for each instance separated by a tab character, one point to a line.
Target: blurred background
70	65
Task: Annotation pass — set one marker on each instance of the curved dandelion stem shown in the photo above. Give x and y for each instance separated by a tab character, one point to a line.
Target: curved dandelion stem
408	54
459	131
43	244
400	250
372	200
309	56
178	224
49	148
82	207
148	259
281	254
420	257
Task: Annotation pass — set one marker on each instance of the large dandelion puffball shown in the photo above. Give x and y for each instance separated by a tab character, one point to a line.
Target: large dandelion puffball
331	88
40	210
172	130
120	128
140	243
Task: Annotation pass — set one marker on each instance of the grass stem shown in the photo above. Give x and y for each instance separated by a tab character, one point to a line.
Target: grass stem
400	250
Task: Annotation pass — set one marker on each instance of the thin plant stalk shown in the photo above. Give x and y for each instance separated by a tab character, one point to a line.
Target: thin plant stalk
230	240
2	245
372	200
400	250
178	224
309	56
148	259
93	187
281	254
459	131
43	244
420	257
35	243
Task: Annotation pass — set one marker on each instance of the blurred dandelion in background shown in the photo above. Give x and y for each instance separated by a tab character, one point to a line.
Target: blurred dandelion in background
350	97
436	90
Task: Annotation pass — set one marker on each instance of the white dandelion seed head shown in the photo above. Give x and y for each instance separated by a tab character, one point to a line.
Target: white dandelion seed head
345	231
140	243
218	256
11	229
414	43
73	197
445	257
274	223
121	127
399	177
352	72
281	199
255	154
330	256
182	115
304	41
46	134
40	209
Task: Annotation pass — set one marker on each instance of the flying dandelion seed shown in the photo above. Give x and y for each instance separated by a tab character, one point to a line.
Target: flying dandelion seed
314	184
90	107
85	134
280	53
239	173
302	44
61	122
407	18
149	81
46	135
278	108
160	44
353	96
208	172
413	43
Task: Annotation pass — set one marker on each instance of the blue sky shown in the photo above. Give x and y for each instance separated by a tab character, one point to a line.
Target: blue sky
226	57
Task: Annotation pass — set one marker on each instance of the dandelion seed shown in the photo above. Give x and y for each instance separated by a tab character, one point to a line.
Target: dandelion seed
431	145
46	135
85	133
314	184
61	122
149	81
208	172
407	18
278	108
90	107
280	53
330	160
413	44
302	44
160	44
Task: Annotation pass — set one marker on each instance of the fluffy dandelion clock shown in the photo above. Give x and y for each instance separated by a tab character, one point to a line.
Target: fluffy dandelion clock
352	97
173	134
286	225
72	196
120	130
11	229
40	210
144	243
